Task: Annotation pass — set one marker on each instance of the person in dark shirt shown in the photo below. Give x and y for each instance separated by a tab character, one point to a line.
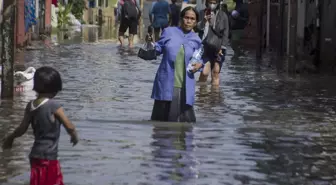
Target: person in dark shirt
239	20
175	13
45	116
160	17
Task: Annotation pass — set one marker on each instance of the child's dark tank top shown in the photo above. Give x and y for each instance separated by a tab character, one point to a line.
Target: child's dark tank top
46	128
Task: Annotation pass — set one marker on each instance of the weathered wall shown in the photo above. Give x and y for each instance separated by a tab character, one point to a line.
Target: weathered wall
90	15
328	36
252	31
8	27
20	24
48	26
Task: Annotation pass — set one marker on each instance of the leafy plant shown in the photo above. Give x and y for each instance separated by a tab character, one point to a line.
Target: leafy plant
63	18
78	8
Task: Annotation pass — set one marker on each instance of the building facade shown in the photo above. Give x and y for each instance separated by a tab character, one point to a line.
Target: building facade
299	29
33	16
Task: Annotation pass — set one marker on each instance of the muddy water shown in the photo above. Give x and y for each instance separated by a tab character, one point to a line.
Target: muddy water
256	128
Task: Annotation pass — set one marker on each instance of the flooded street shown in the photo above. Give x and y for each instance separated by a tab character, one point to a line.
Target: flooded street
258	128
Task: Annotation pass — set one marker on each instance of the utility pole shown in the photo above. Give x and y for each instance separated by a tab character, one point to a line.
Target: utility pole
292	45
7	30
268	21
282	28
281	49
260	30
318	33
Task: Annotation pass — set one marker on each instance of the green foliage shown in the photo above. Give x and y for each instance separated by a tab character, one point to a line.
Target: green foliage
78	8
112	3
63	18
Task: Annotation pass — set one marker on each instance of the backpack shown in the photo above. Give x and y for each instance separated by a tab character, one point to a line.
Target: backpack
130	10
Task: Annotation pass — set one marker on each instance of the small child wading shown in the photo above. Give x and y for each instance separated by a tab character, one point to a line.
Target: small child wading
45	116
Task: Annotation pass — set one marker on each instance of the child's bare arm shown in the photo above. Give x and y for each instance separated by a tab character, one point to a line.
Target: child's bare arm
70	128
19	131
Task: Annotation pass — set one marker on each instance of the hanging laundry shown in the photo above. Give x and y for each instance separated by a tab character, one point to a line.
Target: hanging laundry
30	18
54	2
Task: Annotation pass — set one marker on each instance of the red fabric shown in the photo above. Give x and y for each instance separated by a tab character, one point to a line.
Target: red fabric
121	2
54	2
45	172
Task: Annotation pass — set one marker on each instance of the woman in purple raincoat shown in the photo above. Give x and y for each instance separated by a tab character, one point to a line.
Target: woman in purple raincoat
174	86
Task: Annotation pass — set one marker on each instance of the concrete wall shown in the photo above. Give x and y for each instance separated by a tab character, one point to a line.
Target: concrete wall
328	36
53	16
1	4
90	15
251	31
86	13
48	16
20	24
21	35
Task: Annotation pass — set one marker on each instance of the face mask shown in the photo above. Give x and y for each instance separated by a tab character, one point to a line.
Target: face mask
213	6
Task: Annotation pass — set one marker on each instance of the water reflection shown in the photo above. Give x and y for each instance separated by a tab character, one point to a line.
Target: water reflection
12	162
256	128
99	33
301	158
90	34
209	96
173	152
210	100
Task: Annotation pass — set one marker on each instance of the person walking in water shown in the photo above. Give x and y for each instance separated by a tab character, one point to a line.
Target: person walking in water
160	17
45	115
174	86
129	13
150	14
239	20
175	13
214	26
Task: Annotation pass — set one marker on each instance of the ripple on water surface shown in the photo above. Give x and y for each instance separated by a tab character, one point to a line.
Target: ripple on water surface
256	128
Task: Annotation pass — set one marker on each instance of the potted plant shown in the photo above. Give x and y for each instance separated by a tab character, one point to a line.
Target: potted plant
63	19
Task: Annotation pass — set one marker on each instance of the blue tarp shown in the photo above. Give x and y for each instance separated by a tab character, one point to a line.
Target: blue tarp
30	17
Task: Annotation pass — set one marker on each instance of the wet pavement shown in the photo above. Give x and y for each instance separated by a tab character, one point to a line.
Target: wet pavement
257	128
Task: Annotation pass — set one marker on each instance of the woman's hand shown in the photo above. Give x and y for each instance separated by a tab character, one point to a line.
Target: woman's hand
207	17
149	38
220	53
196	66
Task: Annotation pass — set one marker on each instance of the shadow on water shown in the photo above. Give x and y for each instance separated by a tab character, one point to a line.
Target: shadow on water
257	128
173	153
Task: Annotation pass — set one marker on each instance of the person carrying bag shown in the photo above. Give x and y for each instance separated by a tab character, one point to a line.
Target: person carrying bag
214	31
214	28
148	52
